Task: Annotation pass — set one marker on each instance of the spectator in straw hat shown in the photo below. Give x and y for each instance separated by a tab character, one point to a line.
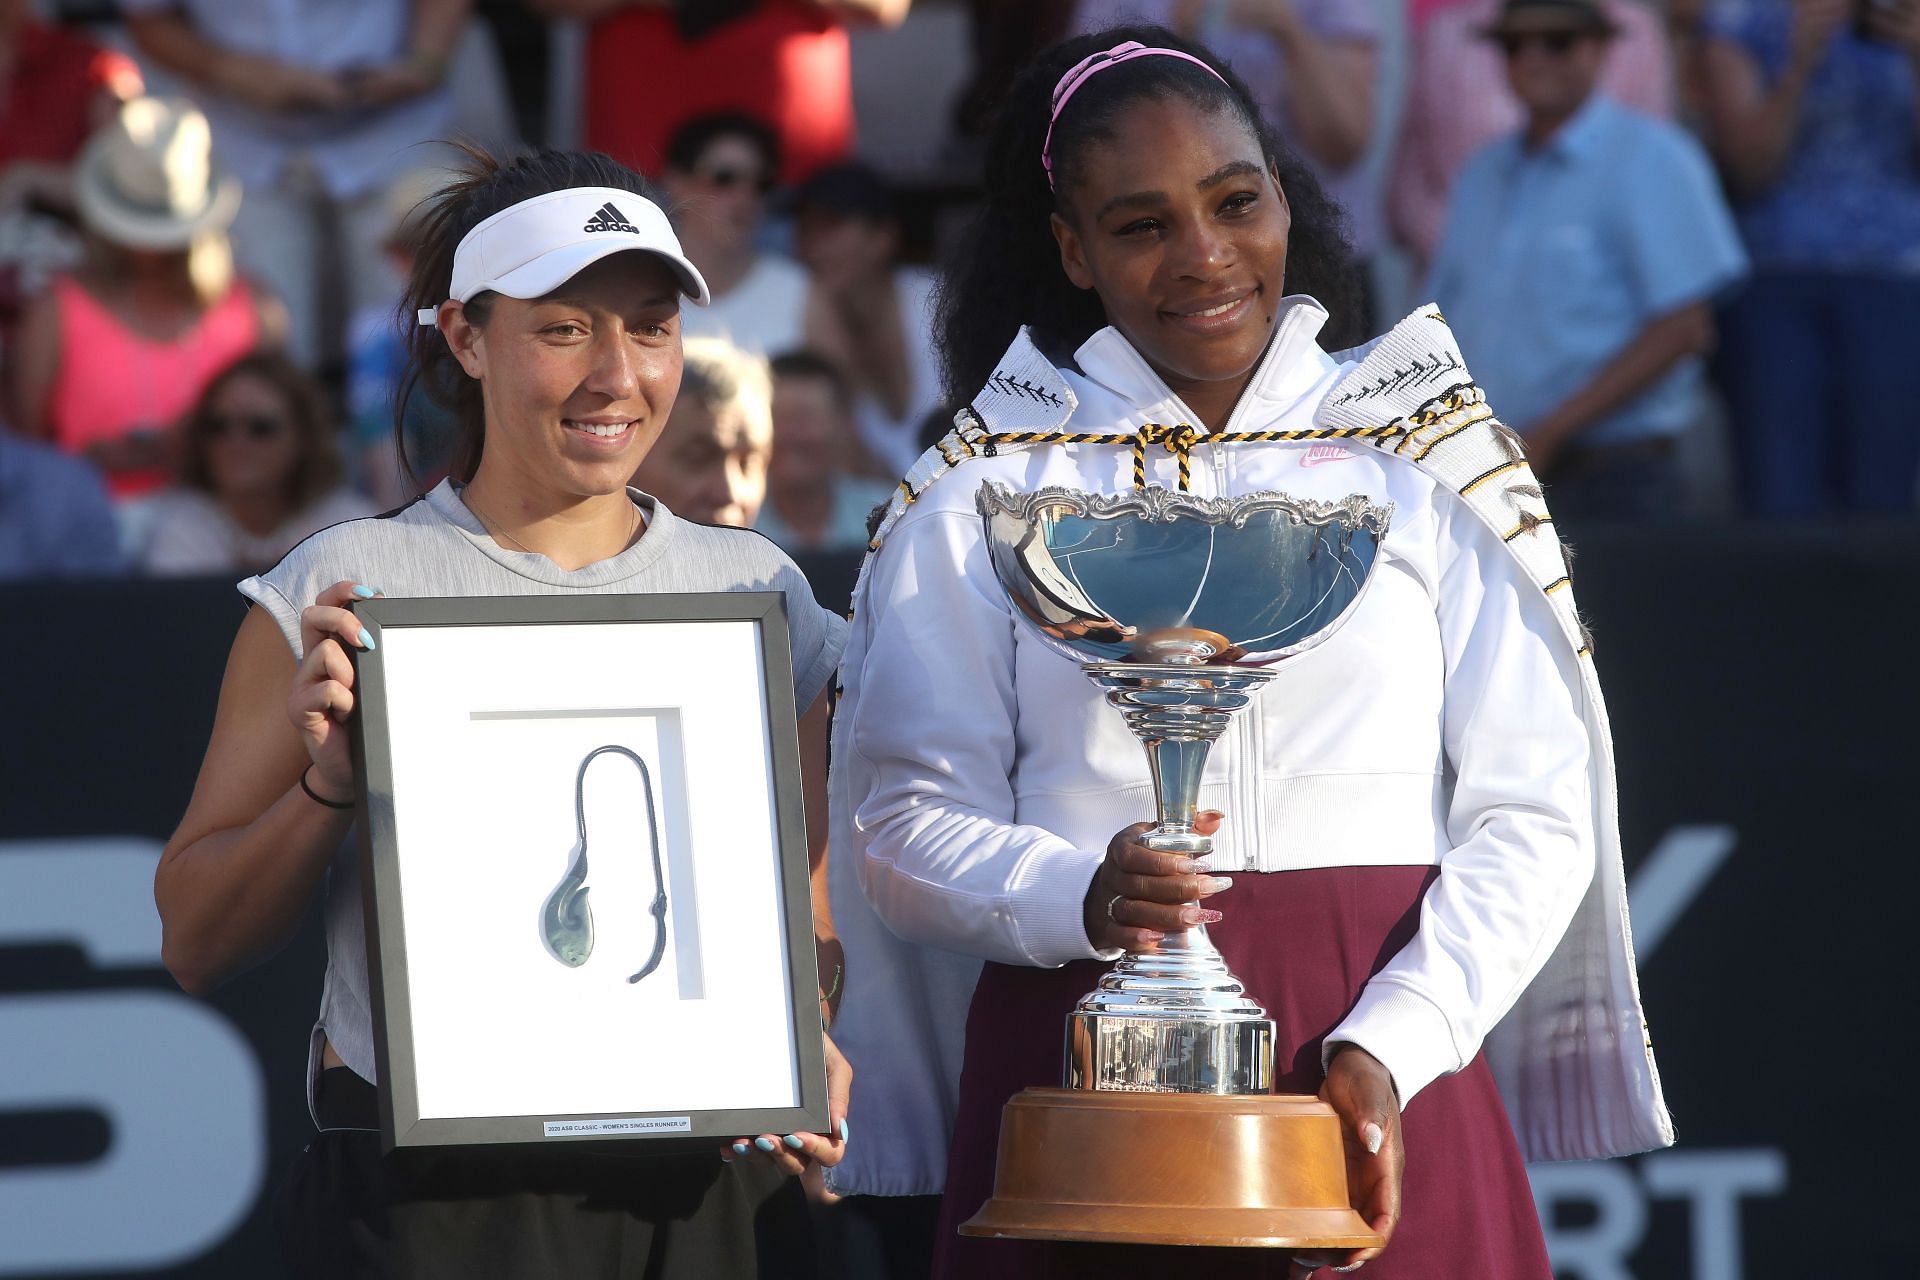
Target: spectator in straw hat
112	355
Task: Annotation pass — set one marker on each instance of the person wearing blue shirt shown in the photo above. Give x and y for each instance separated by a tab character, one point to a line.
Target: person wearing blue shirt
55	518
1579	268
1814	114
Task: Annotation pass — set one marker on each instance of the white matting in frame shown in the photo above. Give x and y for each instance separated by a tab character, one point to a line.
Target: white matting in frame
526	988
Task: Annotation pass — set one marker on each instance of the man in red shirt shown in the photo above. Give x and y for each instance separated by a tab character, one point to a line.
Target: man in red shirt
651	65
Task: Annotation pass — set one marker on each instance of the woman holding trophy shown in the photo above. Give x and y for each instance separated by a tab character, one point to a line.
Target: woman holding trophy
1406	820
548	290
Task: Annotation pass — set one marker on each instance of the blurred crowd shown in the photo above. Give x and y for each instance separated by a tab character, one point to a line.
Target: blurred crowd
1680	246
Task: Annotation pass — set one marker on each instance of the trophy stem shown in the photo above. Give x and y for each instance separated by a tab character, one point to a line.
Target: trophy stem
1173	1018
1177	765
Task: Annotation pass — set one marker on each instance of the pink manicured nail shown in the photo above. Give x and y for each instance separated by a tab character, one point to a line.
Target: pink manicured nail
1210	916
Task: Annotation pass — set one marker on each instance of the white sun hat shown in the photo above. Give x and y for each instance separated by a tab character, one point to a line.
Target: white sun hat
530	249
146	180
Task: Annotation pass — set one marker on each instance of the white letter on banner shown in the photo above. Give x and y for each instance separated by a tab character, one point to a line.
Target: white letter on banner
1713	1182
1672	876
179	1085
1598	1251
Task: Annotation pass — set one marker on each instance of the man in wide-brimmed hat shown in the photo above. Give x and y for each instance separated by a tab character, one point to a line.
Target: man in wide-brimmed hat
1579	267
1555	50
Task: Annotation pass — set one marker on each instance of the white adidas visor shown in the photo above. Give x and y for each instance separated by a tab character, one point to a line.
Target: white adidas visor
532	248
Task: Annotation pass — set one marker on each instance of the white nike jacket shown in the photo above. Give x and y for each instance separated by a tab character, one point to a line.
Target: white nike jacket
1453	721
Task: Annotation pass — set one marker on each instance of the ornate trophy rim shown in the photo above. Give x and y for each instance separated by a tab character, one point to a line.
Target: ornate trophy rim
1163	506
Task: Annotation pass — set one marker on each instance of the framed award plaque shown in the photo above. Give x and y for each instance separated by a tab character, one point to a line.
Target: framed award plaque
585	870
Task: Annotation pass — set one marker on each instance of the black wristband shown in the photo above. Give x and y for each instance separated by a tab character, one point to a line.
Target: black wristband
317	798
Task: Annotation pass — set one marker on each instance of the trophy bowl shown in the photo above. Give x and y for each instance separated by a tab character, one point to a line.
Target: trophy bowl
1154	577
1178	607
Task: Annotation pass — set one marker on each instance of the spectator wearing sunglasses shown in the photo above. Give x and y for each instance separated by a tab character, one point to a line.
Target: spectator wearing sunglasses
719	171
1441	127
260	471
1581	260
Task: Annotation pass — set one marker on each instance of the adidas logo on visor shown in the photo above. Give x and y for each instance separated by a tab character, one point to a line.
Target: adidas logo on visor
608	218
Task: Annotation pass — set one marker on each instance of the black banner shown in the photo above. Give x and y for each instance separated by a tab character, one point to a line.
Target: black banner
1761	694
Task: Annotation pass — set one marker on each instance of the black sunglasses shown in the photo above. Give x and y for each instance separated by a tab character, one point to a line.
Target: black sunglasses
255	426
1557	43
726	179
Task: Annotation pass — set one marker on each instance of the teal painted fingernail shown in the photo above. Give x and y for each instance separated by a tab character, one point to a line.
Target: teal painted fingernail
366	639
794	1140
365	593
843	1131
740	1148
765	1144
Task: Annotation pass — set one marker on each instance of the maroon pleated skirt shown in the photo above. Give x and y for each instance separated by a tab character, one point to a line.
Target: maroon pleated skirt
1304	943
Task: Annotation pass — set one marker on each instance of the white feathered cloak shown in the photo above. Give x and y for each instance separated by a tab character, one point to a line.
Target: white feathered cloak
1573	1059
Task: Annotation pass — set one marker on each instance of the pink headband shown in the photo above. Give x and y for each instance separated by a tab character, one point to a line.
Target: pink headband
1092	65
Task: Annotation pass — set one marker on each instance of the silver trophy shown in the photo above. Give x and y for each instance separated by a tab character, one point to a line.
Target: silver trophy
1178	607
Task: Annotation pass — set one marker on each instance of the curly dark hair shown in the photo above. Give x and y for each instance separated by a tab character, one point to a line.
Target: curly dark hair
483	187
1006	272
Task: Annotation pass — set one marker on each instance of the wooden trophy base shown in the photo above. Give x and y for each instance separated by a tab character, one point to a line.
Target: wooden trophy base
1241	1171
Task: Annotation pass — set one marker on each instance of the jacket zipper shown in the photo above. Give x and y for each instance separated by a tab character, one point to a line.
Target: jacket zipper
1248	726
1246	790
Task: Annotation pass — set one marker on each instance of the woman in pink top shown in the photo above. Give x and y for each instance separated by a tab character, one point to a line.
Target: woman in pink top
111	357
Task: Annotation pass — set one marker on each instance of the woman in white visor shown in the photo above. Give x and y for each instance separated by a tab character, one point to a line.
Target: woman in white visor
548	291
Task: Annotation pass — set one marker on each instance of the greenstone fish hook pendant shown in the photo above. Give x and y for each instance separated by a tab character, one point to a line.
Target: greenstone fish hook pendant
566	920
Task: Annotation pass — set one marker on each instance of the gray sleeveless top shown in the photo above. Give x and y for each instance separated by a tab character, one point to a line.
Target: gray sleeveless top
435	547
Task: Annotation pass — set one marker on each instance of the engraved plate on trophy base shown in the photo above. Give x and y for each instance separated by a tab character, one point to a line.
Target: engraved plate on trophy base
1169	1054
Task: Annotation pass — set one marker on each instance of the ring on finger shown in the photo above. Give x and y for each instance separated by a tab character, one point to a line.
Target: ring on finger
1112	903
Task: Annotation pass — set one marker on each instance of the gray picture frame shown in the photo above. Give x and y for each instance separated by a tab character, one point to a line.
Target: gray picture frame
382	859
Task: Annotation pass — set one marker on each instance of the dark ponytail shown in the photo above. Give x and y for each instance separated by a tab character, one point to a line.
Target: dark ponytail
481	188
1006	269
